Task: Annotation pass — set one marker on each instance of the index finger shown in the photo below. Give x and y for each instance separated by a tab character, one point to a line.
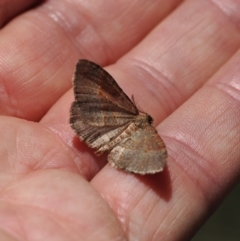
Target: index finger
40	47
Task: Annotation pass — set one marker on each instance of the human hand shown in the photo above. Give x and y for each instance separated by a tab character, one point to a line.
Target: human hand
182	68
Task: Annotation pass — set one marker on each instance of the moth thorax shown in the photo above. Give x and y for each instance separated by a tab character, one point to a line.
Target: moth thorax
143	119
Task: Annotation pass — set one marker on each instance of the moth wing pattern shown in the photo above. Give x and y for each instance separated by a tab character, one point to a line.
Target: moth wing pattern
95	136
105	118
99	98
143	153
101	109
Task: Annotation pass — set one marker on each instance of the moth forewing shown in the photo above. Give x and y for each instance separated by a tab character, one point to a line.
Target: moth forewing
107	120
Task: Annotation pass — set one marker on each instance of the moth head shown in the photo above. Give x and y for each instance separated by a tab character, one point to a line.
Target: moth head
150	119
144	119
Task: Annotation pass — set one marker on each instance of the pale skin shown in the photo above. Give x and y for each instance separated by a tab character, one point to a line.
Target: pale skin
182	68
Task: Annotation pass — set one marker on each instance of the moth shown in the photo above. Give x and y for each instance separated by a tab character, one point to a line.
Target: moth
106	119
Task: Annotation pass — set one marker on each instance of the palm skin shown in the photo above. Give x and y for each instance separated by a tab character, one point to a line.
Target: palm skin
180	61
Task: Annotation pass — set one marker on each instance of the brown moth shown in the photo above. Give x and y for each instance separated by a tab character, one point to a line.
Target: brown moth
105	118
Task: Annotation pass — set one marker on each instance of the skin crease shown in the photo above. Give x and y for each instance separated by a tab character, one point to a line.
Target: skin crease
179	60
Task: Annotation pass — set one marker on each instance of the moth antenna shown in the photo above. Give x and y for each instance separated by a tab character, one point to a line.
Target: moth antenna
134	100
136	105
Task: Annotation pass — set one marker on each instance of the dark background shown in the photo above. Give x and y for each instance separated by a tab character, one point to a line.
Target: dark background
224	224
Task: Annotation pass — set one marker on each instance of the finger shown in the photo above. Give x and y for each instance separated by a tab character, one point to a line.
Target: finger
202	139
9	9
38	56
6	236
153	93
27	146
56	205
179	56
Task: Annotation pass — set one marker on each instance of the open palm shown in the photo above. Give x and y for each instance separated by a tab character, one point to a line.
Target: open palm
179	60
